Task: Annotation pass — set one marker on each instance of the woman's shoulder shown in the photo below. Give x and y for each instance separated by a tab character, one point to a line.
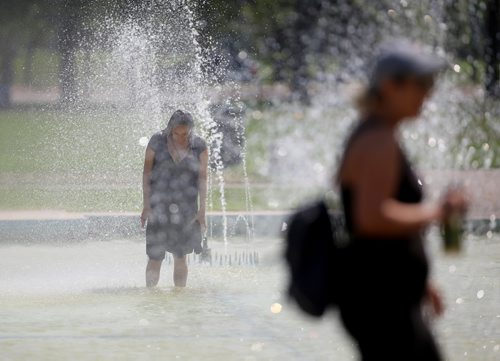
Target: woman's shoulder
370	144
157	135
370	133
199	143
155	140
375	146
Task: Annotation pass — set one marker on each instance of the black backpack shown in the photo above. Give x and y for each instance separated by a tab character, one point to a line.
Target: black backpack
315	244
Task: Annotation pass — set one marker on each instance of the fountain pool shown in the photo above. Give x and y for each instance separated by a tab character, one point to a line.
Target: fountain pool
86	301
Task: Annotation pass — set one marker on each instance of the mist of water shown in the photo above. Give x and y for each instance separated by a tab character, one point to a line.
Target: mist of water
458	129
137	67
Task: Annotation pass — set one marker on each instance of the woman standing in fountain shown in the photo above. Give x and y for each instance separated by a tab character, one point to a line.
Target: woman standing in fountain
174	177
387	269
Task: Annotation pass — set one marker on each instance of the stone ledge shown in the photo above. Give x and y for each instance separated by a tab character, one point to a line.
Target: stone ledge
107	227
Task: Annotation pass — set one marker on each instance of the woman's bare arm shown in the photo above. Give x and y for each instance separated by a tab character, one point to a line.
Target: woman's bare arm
146	179
202	186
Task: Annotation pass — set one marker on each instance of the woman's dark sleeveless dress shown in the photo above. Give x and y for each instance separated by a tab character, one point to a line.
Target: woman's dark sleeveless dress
386	282
174	200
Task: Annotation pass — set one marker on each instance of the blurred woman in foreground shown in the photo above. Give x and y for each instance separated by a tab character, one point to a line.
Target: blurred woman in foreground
387	275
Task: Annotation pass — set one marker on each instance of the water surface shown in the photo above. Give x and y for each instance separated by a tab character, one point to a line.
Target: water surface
86	301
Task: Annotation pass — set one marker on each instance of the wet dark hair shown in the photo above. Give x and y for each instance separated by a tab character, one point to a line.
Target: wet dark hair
179	118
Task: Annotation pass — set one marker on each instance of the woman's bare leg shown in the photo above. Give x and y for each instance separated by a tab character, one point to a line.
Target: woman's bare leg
153	273
180	271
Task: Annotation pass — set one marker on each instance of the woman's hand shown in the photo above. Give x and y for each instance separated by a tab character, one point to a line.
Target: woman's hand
455	200
201	217
433	296
144	216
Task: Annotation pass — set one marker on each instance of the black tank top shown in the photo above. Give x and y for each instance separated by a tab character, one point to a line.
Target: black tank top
386	265
409	188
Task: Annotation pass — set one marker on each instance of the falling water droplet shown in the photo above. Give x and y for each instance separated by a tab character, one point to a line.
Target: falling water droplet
256	114
282	152
242	55
480	294
456	68
276	308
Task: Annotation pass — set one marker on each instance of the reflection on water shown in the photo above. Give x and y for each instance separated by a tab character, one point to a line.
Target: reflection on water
87	301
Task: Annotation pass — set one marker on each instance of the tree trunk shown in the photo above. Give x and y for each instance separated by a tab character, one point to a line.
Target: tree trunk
86	72
492	48
6	74
68	41
28	64
67	76
307	13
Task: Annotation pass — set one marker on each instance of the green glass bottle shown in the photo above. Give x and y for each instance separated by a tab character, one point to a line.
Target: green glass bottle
452	232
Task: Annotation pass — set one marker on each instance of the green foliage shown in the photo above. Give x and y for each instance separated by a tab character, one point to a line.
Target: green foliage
59	160
26	23
264	28
44	69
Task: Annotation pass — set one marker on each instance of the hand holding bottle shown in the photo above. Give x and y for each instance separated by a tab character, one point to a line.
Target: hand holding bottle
454	207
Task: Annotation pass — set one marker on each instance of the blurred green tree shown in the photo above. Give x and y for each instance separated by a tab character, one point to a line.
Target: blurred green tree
492	48
295	40
24	26
474	39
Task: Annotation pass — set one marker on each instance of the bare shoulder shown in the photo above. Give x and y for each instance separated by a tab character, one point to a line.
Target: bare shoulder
381	138
155	141
374	148
374	144
199	142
